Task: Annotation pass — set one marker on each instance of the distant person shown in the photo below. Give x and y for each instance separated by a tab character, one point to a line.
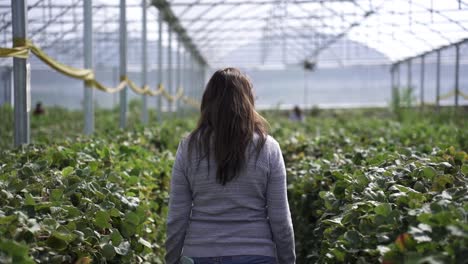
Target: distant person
296	114
39	110
228	201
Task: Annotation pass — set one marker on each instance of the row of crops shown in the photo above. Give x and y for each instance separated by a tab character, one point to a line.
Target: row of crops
363	188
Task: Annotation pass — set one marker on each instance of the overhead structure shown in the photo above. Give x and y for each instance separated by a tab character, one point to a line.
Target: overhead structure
289	32
254	32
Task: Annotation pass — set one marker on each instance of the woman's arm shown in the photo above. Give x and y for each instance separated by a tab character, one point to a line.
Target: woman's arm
180	206
278	209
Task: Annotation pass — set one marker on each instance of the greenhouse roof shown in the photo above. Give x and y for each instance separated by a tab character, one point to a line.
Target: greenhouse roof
259	32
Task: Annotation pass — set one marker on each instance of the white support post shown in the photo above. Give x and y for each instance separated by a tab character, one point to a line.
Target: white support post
200	88
192	79
392	82
184	77
123	62
423	64
457	73
178	86
170	85
88	64
160	65
203	75
438	81
144	62
21	74
410	75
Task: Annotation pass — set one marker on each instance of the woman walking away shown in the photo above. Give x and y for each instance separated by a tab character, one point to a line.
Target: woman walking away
228	202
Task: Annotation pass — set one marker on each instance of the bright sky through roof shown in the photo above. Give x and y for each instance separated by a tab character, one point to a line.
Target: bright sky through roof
300	29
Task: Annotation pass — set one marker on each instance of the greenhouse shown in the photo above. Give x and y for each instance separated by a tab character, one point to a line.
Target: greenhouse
368	100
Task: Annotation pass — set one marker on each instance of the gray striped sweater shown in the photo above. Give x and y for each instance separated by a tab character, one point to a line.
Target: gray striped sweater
248	216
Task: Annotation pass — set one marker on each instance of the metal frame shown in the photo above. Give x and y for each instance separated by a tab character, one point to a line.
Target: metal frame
437	52
191	20
123	62
144	60
21	75
88	64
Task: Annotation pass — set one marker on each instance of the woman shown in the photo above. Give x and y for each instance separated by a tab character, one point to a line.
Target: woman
228	202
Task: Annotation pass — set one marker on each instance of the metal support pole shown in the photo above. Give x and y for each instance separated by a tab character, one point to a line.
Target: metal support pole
88	64
123	61
438	81
200	74
203	75
21	73
187	76
457	73
398	77
144	62
192	75
201	79
197	79
178	74
184	77
422	80
160	69
392	82
170	85
410	75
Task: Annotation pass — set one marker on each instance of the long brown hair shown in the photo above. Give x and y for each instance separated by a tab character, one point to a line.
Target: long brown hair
227	123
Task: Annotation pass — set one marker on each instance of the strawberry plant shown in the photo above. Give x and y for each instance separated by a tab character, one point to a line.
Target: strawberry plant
363	188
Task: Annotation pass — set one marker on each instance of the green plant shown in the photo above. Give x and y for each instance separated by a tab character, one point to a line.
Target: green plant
363	188
402	99
90	199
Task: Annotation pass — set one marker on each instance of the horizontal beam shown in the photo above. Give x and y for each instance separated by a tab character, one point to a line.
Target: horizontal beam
164	7
61	6
308	17
461	42
250	2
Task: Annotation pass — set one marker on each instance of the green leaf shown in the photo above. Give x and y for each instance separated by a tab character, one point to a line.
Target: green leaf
127	230
72	211
29	199
56	195
464	169
67	171
353	237
57	243
102	219
13	248
132	218
383	209
114	212
428	172
64	234
6	220
116	237
108	251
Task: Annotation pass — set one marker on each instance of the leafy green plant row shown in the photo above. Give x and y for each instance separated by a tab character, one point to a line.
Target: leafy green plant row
363	188
370	191
99	200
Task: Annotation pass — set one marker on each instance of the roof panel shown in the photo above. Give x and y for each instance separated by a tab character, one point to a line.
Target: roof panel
264	29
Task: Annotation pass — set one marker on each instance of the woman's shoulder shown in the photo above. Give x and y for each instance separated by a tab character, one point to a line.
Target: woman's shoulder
270	143
184	141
